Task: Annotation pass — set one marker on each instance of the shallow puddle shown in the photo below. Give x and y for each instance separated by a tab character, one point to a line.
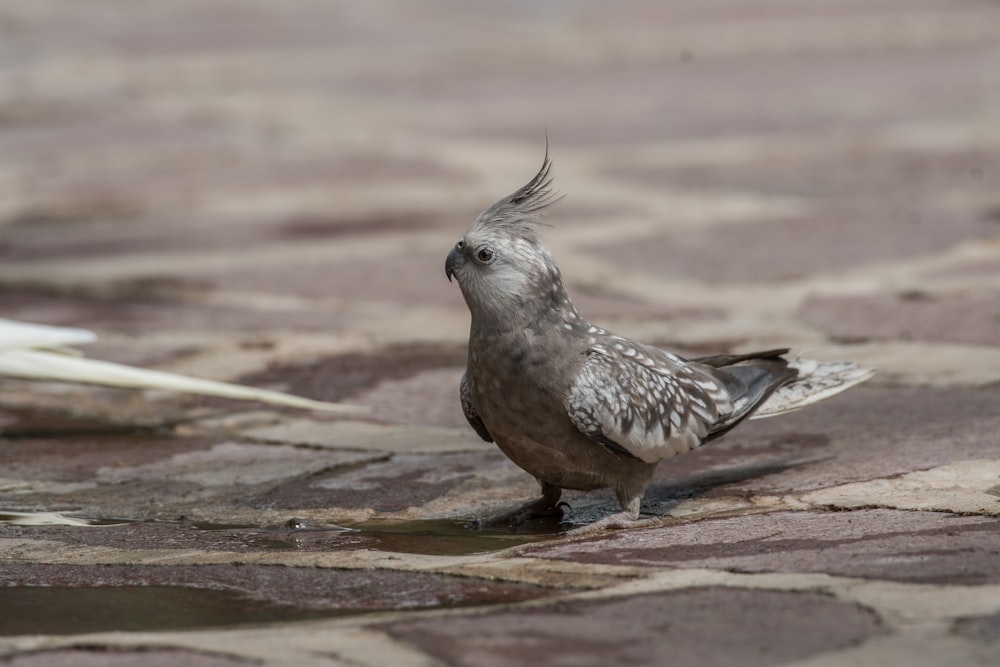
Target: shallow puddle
69	610
441	537
11	518
47	598
432	537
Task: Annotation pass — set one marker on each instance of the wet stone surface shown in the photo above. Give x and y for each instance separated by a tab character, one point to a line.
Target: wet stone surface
440	537
55	609
102	657
729	627
230	594
924	547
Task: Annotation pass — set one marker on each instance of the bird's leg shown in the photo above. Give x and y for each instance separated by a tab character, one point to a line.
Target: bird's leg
630	498
546	506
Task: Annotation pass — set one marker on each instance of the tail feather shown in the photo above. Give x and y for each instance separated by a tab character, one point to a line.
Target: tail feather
750	381
816	381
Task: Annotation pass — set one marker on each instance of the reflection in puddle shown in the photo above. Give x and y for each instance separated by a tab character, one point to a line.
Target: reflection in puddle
68	610
10	518
428	537
440	537
432	537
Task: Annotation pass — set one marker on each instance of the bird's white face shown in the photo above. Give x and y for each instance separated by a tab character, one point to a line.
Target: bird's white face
497	274
507	276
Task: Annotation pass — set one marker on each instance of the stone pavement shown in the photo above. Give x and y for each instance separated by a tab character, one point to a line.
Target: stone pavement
265	192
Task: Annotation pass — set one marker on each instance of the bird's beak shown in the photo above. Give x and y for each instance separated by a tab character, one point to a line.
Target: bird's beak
451	263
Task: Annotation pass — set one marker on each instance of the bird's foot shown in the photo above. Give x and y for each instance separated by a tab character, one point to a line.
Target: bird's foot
619	521
542	508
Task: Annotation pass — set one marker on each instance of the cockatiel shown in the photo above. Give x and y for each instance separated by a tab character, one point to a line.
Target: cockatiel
578	407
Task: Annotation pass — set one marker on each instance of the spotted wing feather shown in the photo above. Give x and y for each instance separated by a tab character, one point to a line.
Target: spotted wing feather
644	401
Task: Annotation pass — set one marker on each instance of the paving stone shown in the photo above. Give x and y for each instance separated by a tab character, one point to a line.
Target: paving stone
149	477
41	422
232	464
855	170
404	481
924	547
599	307
864	434
970	318
140	311
984	629
105	657
80	458
975	268
363	435
430	398
707	626
963	487
360	279
290	534
820	240
345	376
84	231
346	591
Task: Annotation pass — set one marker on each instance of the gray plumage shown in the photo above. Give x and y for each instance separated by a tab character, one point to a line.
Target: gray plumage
577	406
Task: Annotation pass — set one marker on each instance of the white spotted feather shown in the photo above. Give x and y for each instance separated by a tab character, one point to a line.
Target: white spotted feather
650	403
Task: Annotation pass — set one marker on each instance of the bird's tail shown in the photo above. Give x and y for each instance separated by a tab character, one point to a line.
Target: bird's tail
817	381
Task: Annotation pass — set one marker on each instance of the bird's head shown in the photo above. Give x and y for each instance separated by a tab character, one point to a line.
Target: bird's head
508	278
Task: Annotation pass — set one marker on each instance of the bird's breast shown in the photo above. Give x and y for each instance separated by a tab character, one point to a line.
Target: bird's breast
518	388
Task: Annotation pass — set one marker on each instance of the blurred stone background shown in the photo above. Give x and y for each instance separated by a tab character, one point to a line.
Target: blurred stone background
265	192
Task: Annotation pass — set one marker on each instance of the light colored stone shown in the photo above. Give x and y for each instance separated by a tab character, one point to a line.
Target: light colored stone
233	464
965	487
369	436
914	649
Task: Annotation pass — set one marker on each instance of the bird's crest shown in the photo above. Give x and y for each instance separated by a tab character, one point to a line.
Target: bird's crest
521	210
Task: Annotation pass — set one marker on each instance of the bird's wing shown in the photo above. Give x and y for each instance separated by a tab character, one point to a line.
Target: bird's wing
470	411
643	402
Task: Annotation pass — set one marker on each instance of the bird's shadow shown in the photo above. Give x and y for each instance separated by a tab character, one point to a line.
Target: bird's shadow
670	492
665	494
696	476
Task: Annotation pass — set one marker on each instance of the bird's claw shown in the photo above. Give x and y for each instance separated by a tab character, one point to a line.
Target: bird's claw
538	509
620	521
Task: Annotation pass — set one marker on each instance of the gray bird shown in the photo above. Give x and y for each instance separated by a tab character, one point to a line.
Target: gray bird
578	407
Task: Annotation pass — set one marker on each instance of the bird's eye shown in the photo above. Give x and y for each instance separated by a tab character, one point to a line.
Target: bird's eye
485	254
460	244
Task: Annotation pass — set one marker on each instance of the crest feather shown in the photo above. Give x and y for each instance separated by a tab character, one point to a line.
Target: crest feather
521	209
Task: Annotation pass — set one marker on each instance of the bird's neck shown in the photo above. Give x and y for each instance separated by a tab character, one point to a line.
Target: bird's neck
546	306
